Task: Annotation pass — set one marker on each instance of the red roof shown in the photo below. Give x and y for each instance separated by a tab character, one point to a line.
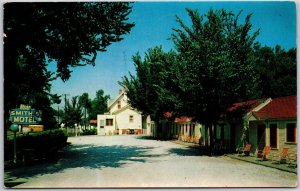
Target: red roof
251	104
93	121
278	108
183	119
167	115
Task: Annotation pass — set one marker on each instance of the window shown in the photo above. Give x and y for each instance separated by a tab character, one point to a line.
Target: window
291	132
109	122
101	123
273	135
119	104
131	118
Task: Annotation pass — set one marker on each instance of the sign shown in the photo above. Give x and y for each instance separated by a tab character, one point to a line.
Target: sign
36	128
25	115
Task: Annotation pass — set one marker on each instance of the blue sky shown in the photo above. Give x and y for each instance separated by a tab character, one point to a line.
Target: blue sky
153	26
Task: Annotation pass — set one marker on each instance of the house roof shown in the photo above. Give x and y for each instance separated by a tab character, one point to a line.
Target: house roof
116	99
183	119
93	121
278	108
168	114
249	105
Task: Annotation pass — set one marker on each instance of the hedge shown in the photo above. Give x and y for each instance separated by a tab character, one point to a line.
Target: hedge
89	132
41	144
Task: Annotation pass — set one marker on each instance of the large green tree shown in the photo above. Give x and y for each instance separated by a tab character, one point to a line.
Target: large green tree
98	104
72	112
277	69
71	34
149	90
86	103
216	59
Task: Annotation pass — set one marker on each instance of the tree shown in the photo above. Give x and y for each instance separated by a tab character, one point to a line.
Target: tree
148	91
98	105
216	59
86	103
31	86
71	34
72	112
277	71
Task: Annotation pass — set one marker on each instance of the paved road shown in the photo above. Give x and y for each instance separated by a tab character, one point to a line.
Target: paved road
129	161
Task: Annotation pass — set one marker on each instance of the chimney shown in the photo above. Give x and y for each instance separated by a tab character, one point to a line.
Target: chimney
120	91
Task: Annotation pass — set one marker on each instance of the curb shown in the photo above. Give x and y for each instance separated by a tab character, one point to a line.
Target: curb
263	164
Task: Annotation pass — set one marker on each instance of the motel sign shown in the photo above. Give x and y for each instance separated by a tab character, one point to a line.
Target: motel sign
25	116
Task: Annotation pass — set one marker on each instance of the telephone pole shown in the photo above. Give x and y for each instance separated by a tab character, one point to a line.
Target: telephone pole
65	98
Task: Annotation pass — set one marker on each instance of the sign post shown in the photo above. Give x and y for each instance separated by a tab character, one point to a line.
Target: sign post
15	128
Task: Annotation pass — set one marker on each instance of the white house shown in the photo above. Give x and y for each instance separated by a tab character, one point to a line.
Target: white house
121	118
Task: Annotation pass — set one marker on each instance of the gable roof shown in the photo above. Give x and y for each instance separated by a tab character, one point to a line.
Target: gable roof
121	94
249	105
279	108
183	119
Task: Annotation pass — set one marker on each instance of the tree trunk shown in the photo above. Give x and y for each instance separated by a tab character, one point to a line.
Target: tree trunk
206	136
85	118
211	137
158	127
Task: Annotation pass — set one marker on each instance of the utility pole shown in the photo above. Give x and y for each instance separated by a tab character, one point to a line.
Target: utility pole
65	106
65	98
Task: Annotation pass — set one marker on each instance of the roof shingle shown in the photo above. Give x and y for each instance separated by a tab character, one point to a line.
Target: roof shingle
279	108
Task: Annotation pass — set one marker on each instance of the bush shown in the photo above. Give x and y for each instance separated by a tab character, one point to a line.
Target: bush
89	132
41	143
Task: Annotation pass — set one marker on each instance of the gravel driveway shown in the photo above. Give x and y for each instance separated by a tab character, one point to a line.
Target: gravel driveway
130	161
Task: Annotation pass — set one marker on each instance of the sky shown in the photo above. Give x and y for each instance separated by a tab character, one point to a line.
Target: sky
153	26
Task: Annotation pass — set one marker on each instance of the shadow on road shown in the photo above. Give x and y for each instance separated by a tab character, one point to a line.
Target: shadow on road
186	152
86	156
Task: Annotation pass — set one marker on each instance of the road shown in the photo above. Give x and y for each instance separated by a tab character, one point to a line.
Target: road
131	161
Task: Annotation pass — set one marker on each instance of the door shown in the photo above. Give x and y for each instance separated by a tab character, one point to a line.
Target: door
261	135
232	136
102	129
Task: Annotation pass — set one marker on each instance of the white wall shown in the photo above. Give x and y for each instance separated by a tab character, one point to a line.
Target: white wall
106	129
122	120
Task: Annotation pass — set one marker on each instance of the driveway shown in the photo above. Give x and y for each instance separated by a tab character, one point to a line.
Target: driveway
131	161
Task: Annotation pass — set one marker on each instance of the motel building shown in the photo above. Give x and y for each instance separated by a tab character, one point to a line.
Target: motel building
264	122
121	118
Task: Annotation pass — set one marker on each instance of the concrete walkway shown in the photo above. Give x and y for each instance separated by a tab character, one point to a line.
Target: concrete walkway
267	163
250	159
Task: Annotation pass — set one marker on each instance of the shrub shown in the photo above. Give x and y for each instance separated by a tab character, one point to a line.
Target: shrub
89	131
41	143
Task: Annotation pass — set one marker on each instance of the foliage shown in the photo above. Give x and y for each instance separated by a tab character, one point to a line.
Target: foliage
56	99
71	34
277	69
72	112
89	132
41	27
148	91
30	84
217	64
86	103
42	143
98	105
